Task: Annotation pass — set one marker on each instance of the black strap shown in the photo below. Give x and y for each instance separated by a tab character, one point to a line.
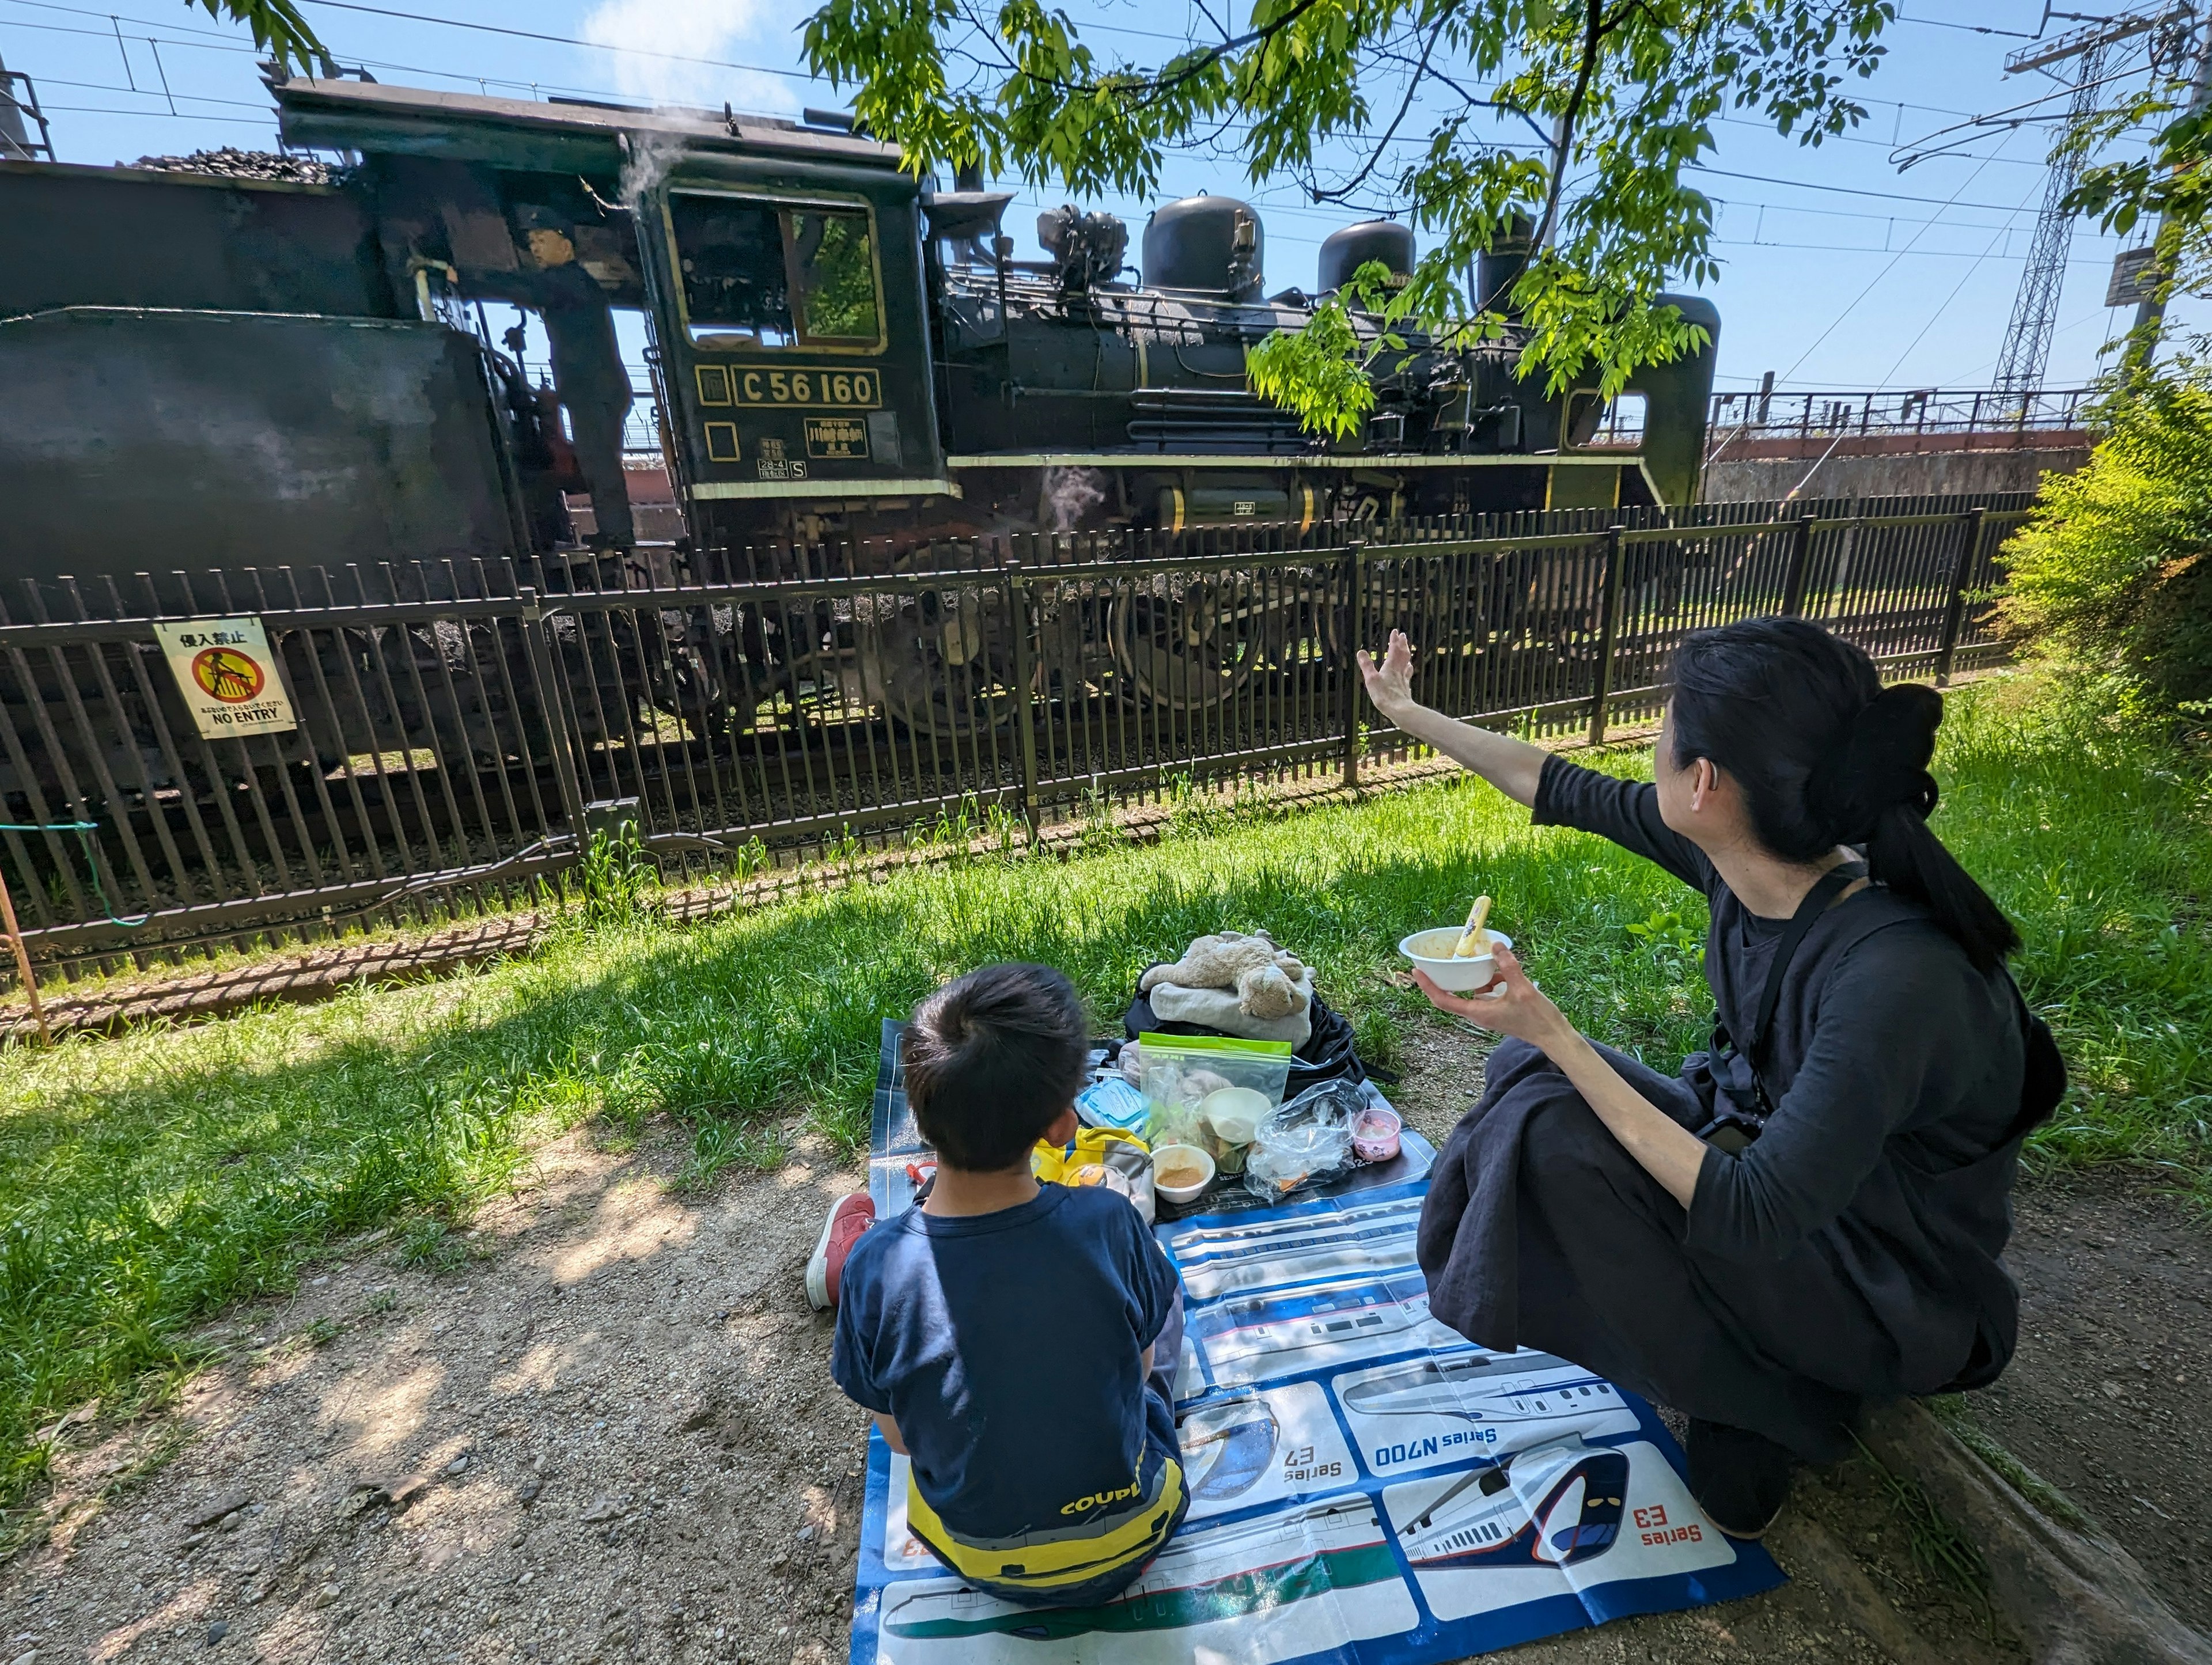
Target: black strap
1817	901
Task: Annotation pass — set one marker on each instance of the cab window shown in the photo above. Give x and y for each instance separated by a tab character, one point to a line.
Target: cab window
765	273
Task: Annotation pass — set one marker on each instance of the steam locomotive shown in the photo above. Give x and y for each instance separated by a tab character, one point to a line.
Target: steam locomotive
214	372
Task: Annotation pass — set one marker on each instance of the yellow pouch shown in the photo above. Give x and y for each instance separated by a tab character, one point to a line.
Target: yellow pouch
1100	1155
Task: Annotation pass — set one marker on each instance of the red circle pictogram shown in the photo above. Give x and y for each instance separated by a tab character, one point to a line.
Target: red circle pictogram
230	676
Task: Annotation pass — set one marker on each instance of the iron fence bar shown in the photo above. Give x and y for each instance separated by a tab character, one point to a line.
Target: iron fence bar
1793	580
1954	606
1608	631
258	799
536	635
1348	669
1020	606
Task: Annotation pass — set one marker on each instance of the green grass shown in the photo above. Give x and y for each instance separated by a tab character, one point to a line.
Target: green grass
146	1181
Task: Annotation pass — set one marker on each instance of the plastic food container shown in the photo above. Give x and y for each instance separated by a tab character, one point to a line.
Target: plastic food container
1431	951
1375	1133
1182	1072
1231	1116
1181	1172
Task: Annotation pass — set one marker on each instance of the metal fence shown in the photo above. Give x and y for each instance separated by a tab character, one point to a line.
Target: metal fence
462	729
1968	414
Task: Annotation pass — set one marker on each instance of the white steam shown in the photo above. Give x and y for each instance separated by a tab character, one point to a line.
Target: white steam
1070	493
683	32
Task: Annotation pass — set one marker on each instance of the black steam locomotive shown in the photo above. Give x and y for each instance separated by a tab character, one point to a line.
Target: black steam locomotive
220	372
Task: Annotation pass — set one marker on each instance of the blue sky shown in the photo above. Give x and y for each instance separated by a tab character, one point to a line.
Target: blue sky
1839	271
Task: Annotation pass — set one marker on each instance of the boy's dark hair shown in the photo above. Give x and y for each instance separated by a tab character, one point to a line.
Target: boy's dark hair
991	1059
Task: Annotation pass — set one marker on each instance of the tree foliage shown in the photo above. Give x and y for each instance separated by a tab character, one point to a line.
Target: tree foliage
278	28
2114	570
1433	102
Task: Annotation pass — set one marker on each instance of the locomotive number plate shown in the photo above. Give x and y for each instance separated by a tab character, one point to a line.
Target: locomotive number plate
816	387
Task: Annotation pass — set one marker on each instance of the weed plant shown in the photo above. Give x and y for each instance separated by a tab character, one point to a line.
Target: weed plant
146	1181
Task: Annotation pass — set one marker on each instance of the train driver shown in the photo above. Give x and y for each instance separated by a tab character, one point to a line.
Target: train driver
1809	1216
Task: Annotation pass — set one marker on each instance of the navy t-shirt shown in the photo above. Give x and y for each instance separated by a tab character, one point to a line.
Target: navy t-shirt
1005	1346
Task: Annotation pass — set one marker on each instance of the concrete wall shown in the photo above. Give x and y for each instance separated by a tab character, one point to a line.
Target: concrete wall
1765	479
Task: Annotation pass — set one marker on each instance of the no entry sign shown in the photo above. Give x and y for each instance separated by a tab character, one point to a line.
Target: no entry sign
227	676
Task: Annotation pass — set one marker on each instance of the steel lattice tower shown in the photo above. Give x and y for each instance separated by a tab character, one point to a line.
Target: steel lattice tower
2035	308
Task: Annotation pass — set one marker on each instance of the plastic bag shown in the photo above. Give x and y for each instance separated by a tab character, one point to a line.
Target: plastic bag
1182	1072
1307	1141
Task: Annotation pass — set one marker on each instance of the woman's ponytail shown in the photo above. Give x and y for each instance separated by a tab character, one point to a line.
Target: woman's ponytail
1873	789
1826	756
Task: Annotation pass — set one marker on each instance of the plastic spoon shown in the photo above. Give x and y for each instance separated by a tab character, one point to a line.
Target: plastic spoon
1474	940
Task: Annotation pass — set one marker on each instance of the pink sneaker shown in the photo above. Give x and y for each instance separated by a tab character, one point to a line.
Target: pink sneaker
849	1217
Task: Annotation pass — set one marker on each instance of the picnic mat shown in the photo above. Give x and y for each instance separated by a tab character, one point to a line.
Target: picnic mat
1366	1485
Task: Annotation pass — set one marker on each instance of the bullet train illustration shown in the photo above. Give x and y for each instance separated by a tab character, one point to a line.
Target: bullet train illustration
1266	1337
1230	1260
1227	1446
1482	1519
1491	1388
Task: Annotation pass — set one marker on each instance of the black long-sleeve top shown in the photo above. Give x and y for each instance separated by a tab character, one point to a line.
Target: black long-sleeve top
1893	1064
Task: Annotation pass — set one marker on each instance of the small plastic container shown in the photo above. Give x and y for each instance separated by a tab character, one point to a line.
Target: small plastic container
1375	1133
1181	1072
1231	1116
1180	1160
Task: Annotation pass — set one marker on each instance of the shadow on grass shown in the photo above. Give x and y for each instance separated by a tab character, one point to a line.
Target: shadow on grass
147	1182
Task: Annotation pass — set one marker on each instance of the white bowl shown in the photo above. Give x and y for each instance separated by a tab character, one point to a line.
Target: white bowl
1431	951
1177	1155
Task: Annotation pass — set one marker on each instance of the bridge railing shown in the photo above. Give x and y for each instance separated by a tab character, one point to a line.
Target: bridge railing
1777	414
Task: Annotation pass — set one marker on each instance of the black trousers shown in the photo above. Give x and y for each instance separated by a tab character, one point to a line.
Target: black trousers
1605	1279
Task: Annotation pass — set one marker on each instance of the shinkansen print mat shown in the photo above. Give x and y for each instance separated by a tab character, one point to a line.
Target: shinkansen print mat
1366	1485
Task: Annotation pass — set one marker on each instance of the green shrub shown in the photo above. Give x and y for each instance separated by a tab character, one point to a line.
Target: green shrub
2113	571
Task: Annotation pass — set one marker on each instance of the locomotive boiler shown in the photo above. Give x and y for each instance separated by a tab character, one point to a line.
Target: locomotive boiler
851	373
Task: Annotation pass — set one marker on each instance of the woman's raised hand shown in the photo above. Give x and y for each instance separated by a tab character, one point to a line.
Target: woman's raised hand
1511	1005
1390	685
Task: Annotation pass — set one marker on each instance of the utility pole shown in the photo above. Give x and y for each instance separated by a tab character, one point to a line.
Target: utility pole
2150	315
2035	309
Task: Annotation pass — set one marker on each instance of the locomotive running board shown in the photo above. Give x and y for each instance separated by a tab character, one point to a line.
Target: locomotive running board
725	489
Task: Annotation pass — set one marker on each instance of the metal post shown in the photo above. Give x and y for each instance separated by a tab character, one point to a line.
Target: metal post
537	638
1609	634
2150	315
1800	557
23	962
1355	613
1018	613
1955	609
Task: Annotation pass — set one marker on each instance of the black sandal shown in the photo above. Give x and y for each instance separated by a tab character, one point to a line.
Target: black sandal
1740	1479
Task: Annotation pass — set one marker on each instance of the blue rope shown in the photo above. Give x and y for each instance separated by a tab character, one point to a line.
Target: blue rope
84	830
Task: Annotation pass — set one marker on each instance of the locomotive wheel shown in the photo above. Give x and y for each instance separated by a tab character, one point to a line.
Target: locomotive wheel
934	664
1191	649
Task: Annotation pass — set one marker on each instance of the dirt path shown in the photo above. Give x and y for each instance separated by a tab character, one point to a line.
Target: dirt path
605	1431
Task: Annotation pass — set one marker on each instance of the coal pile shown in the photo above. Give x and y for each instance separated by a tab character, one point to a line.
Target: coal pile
231	164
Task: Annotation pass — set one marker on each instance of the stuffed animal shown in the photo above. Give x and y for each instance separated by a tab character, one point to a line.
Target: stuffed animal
1266	978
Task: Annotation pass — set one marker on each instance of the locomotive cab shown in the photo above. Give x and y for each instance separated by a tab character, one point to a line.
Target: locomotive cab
784	302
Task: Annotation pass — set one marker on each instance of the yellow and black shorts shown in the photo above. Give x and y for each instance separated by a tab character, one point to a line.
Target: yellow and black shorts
1073	1566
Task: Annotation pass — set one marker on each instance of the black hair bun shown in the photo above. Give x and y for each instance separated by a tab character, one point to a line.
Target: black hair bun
1881	764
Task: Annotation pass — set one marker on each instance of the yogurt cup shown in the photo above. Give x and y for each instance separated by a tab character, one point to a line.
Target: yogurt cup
1375	1133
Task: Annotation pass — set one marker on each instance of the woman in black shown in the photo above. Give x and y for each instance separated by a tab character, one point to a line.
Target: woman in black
1809	1216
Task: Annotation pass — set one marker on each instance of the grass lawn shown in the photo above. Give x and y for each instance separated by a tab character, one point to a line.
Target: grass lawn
144	1182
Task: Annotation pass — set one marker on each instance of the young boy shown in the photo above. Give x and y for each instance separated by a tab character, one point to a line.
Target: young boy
1002	1331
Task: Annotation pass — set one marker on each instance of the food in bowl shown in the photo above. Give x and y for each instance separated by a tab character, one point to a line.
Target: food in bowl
1180	1172
1434	952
